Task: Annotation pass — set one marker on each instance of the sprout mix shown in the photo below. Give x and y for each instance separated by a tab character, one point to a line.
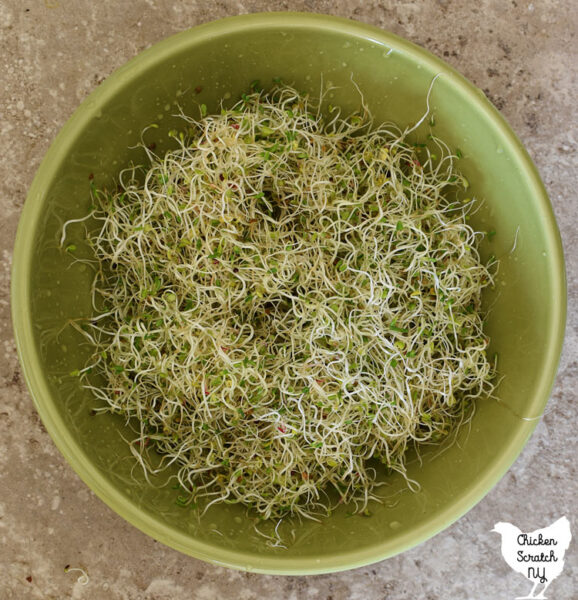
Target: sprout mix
287	295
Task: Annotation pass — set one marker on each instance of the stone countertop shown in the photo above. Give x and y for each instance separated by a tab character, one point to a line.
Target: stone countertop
53	53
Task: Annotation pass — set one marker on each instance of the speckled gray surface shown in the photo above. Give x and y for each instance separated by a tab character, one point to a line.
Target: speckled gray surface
53	53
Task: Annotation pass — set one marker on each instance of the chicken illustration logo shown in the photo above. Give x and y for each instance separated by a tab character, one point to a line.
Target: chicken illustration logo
539	555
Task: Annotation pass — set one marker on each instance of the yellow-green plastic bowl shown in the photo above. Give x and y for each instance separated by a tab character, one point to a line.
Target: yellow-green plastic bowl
219	60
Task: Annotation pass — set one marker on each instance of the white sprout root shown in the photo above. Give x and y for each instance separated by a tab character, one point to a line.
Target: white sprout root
288	295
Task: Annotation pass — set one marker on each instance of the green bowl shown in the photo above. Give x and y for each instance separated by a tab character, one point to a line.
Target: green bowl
219	60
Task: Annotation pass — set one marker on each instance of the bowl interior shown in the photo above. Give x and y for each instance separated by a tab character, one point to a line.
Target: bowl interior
218	61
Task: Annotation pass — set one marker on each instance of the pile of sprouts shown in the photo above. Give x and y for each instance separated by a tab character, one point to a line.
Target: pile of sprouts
289	301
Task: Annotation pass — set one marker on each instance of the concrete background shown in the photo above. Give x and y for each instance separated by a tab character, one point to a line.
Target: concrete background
53	53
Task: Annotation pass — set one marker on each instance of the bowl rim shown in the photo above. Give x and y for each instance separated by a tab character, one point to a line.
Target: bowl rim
30	360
